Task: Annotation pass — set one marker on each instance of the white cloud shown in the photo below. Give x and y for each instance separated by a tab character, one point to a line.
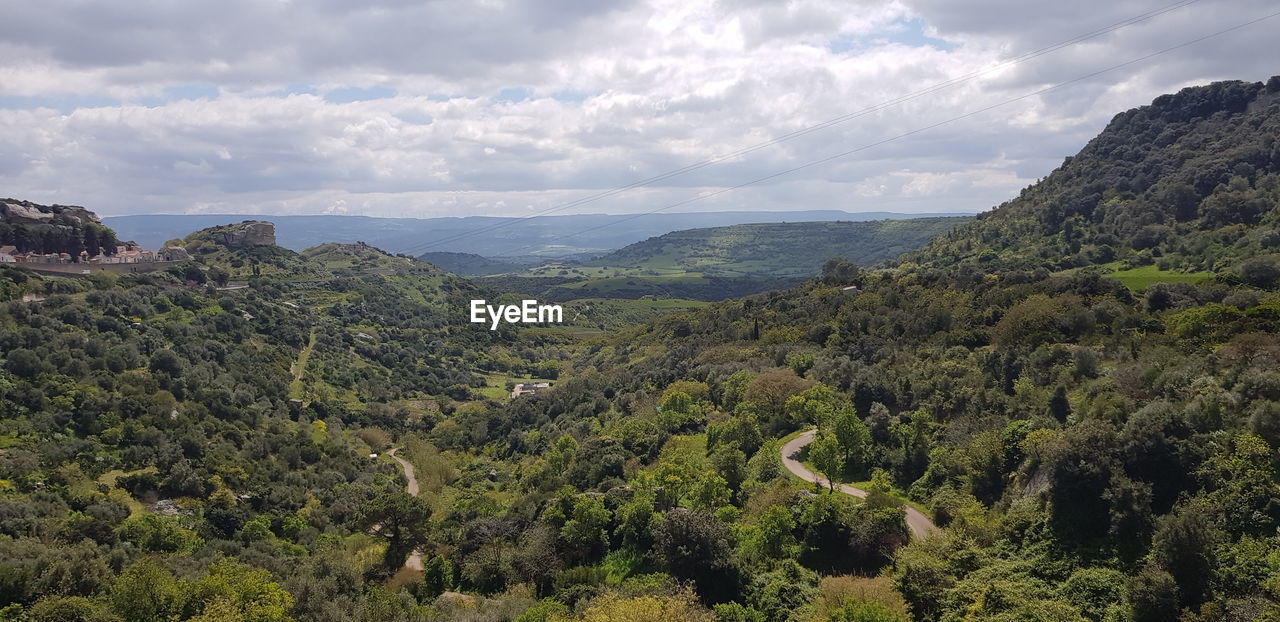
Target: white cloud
507	107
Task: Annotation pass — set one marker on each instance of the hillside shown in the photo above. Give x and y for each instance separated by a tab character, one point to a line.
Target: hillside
711	264
777	249
1187	184
245	249
1090	449
1089	453
469	264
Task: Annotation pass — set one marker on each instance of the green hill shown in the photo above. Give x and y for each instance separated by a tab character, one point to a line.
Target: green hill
469	264
1070	434
1187	184
777	249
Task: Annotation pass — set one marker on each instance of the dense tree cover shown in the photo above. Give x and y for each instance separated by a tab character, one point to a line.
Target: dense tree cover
1089	452
158	435
1187	183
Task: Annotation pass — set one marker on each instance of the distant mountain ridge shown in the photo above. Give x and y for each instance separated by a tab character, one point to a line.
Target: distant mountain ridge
493	237
778	249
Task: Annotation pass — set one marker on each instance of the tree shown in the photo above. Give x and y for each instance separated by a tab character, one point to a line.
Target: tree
399	518
879	421
777	529
1242	485
1040	319
165	361
838	271
247	594
1094	590
923	576
1081	465
636	519
825	454
731	464
23	363
159	534
146	592
853	438
536	560
771	390
734	389
437	577
69	609
737	612
1183	545
1261	272
693	545
1153	596
1059	406
611	608
781	591
585	535
1264	421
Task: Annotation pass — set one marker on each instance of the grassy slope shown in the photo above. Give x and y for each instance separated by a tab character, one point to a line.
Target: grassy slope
775	249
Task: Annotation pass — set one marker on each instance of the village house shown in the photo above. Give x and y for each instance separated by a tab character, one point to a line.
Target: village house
124	254
529	388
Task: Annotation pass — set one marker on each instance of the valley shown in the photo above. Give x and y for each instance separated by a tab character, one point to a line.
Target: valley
1066	409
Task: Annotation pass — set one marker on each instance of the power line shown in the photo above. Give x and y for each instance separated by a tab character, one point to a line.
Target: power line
919	130
807	130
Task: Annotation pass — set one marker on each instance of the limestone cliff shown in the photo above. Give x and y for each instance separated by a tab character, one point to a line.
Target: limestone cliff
239	235
31	227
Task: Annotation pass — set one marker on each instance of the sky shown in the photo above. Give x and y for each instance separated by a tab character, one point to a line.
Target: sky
496	107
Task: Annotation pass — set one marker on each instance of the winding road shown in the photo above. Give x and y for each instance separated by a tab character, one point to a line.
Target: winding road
917	522
415	558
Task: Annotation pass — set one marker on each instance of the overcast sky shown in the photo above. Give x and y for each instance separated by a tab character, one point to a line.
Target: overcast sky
497	107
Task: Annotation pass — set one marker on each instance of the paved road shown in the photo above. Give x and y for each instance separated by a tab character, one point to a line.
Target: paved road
918	523
415	558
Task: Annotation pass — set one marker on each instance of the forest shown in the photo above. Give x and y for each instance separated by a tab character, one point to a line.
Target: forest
1083	447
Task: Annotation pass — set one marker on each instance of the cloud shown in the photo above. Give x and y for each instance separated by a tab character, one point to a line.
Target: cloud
503	107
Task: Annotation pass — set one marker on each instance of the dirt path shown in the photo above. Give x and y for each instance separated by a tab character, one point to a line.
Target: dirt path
415	558
917	522
299	367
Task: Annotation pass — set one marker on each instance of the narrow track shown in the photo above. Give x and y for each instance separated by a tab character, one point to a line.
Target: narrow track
415	558
917	522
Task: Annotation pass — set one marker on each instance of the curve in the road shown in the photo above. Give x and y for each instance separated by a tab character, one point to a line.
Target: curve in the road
917	522
415	558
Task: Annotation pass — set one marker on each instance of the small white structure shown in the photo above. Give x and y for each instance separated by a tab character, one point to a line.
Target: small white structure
529	388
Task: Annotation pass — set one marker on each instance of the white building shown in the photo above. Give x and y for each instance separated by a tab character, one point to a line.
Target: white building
529	388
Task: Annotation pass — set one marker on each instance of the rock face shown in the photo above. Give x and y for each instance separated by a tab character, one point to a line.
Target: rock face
240	235
18	212
42	229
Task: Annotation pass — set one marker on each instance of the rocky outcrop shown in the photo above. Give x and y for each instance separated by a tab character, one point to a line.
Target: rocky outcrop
242	234
18	212
31	227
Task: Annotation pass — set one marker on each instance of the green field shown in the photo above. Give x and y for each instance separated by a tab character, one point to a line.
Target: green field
1139	279
495	385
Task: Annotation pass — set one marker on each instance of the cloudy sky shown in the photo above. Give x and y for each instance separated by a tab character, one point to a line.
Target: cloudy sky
501	107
